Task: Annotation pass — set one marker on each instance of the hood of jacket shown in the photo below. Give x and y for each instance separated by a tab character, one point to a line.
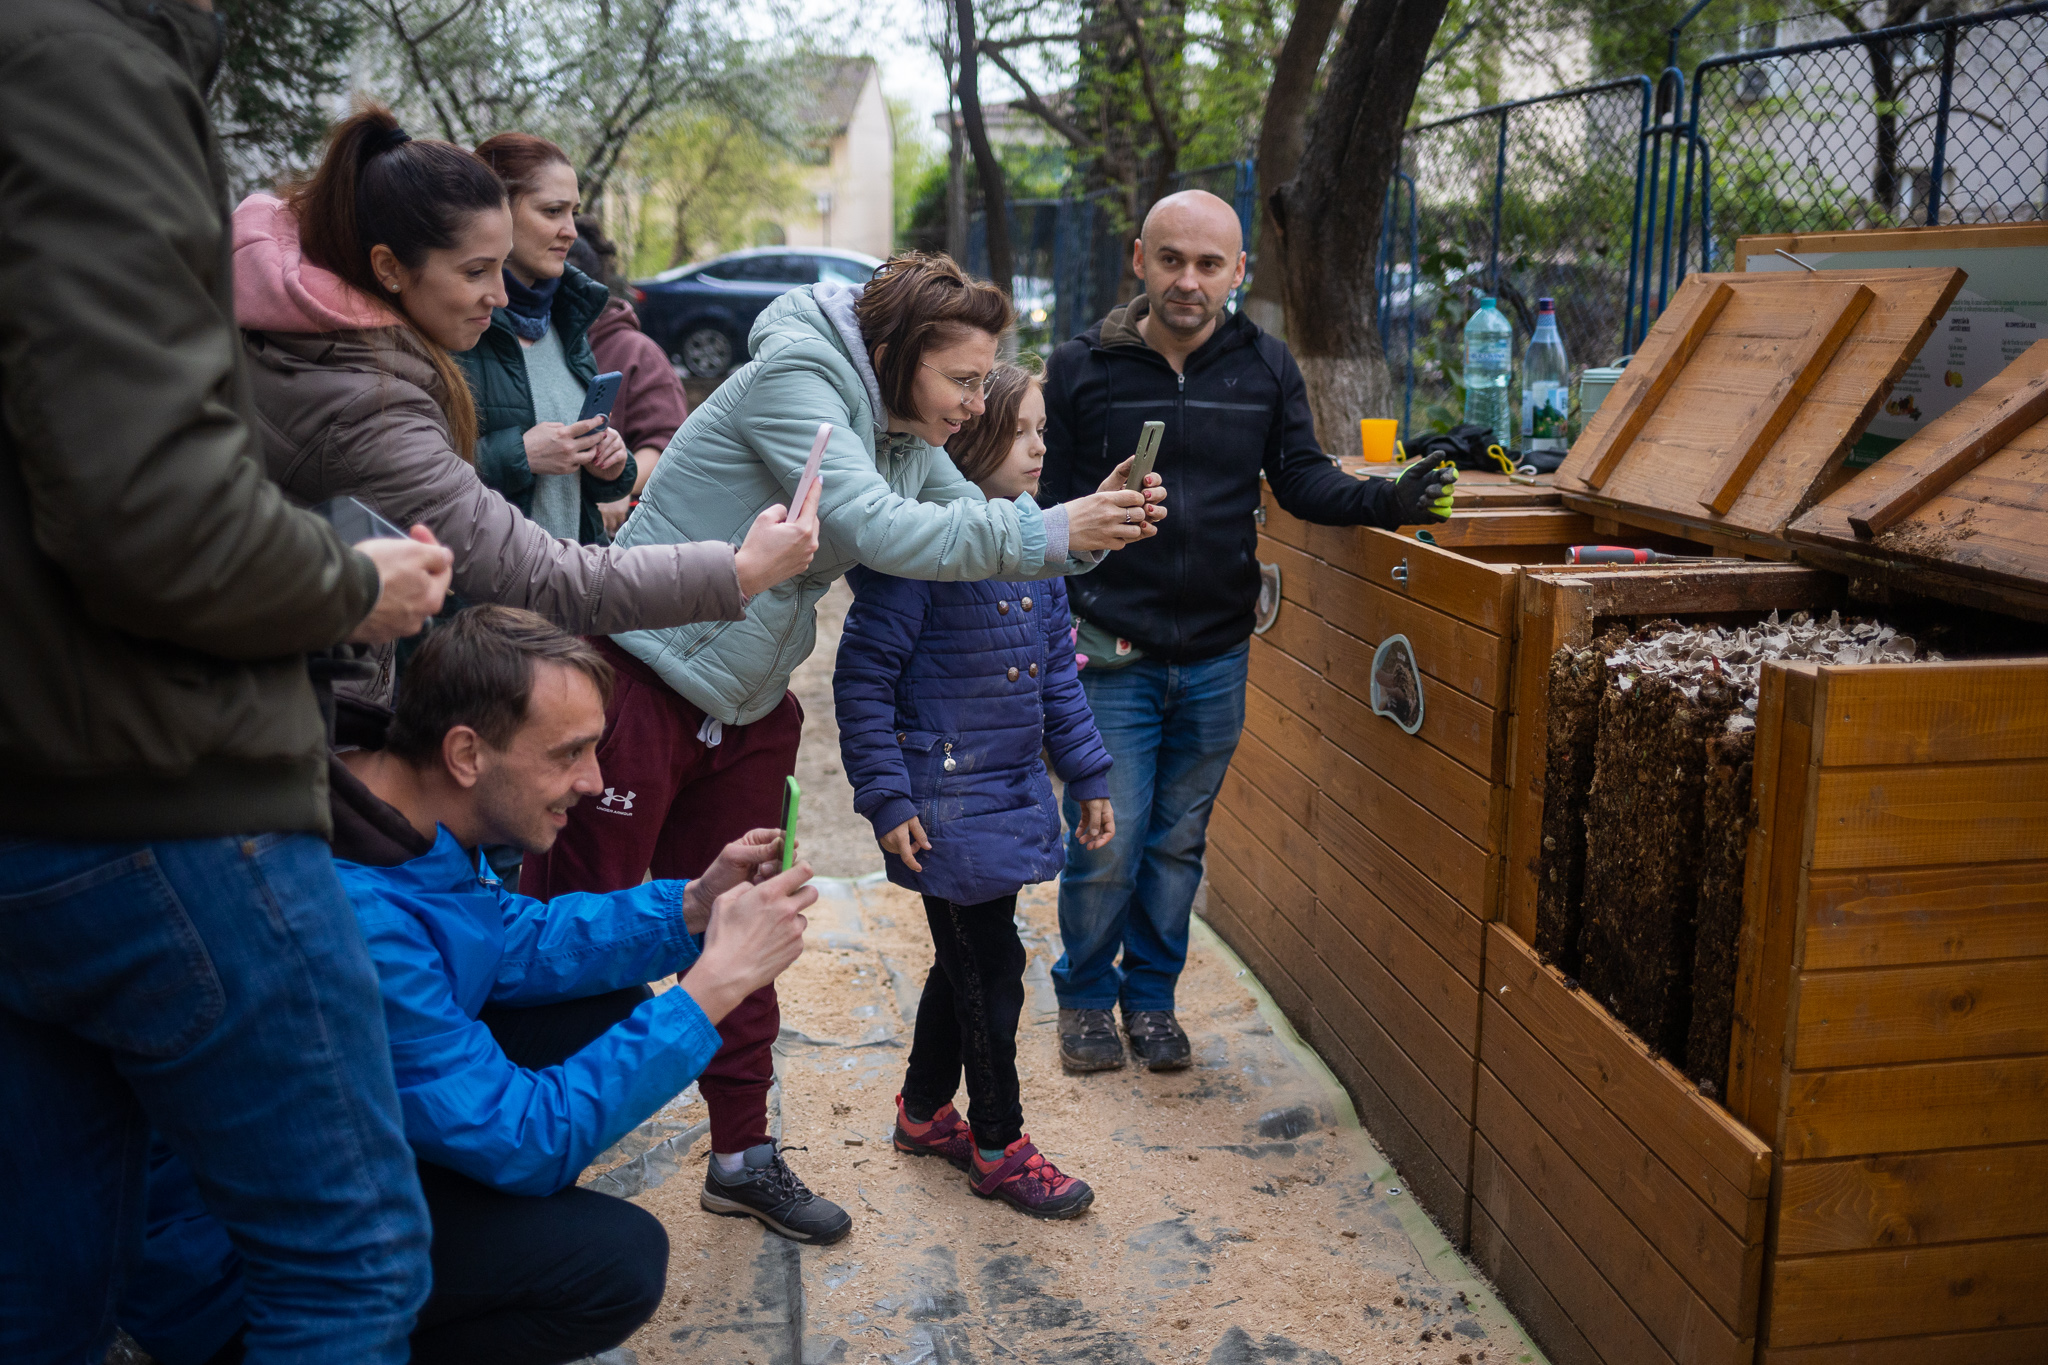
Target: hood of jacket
616	316
836	300
278	290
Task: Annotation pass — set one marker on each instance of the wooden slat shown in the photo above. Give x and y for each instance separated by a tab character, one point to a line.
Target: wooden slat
1355	798
1916	1200
1297	574
1879	1015
1682	1298
1554	612
1260	765
1835	313
1922	816
1960	712
1288	894
1941	237
1923	915
1659	361
1608	1321
1718	1248
1919	1107
1261	937
1356	925
1460	587
1367	985
1442	1193
1281	835
1472	660
1447	789
1718	1159
1294	685
1452	932
1528	527
1999	1346
1535	1306
2006	405
1296	632
1452	722
1655	591
1773	873
1879	1294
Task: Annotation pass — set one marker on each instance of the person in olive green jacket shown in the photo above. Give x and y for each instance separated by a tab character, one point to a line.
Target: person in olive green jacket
175	951
531	369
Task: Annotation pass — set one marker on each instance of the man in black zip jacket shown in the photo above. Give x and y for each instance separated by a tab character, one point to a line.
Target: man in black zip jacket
1165	626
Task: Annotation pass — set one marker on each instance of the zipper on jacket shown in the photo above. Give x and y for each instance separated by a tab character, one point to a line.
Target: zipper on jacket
1180	399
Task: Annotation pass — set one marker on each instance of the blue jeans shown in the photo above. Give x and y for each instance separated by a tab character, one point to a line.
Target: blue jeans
216	991
1172	729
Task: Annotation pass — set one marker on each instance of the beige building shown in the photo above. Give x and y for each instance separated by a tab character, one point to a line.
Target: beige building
849	179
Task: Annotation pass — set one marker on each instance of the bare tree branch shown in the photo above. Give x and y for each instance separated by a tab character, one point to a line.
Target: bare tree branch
1036	104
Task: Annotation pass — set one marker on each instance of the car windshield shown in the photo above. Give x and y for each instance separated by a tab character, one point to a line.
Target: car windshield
850	272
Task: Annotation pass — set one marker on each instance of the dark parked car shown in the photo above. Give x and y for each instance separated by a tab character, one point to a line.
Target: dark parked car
701	313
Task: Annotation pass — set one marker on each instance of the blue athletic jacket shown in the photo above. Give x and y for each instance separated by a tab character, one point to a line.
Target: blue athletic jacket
446	937
946	695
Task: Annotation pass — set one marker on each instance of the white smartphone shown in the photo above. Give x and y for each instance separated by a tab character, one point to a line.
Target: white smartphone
810	474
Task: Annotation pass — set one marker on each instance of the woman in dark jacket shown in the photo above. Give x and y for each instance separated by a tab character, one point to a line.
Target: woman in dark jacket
532	367
946	694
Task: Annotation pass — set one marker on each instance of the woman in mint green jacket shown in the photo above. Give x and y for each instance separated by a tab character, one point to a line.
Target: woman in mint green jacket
702	731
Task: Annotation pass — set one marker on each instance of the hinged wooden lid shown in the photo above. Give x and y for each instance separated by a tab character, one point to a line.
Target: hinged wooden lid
1743	401
1959	511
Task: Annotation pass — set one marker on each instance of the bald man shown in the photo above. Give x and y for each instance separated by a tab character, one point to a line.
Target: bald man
1165	625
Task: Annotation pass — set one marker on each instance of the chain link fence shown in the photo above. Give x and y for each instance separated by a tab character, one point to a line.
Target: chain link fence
1938	122
1520	201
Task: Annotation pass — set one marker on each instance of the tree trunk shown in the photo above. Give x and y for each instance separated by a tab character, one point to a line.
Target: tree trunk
1884	90
1328	214
995	201
956	155
1281	130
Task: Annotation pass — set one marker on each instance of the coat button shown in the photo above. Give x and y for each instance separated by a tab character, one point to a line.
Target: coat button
1034	670
1027	604
900	736
1002	608
950	765
1013	673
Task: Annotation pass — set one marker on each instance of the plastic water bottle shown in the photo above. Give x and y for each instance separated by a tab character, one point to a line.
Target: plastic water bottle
1546	385
1489	362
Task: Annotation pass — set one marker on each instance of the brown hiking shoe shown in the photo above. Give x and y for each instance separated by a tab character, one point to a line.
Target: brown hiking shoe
1158	1039
1089	1041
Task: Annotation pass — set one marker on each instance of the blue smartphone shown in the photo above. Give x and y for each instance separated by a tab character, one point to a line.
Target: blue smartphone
604	391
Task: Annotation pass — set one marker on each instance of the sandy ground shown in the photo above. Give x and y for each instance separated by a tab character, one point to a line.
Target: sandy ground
1241	1214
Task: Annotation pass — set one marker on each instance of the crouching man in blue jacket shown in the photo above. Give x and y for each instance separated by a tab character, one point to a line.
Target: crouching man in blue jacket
524	1038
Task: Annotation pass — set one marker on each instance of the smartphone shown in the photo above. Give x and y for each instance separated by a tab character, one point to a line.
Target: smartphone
1148	452
356	522
791	795
604	391
810	474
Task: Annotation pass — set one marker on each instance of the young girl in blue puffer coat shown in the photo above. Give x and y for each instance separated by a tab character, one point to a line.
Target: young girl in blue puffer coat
947	693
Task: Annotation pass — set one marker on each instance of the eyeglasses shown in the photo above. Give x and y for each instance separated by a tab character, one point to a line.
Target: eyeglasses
968	387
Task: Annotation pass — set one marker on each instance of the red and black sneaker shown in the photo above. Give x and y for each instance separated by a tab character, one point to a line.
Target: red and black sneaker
944	1134
1026	1180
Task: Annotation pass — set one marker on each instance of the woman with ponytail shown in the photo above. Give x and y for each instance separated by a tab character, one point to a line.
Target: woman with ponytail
354	292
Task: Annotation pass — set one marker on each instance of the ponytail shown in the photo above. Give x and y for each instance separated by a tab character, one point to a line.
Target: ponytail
378	186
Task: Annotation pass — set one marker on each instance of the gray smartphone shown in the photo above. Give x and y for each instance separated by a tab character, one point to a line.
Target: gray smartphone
1148	453
355	522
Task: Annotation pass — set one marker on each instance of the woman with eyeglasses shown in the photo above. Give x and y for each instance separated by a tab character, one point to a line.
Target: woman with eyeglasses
702	730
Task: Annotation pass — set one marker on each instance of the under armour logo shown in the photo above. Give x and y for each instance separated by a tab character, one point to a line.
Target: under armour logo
613	803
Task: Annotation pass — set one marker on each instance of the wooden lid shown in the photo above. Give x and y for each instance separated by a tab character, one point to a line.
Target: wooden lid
1741	405
1959	511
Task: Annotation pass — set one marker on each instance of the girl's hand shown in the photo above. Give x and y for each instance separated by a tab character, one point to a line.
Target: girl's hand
608	456
906	839
1098	823
776	549
561	447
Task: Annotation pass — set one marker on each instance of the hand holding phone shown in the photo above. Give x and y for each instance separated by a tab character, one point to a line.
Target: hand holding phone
602	394
810	474
355	521
1148	452
792	795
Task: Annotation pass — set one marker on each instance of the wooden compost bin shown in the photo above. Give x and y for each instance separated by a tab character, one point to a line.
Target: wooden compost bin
1876	1187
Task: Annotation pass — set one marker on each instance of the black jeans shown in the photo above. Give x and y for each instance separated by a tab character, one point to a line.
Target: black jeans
967	1018
524	1281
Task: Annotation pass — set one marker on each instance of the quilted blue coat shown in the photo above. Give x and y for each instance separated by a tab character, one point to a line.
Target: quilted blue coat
947	695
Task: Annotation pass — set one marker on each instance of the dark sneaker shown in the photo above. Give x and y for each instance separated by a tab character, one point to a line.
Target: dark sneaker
945	1135
1158	1040
1089	1042
1025	1180
768	1190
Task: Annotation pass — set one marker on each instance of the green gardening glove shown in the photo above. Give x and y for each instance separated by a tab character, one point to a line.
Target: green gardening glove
1423	492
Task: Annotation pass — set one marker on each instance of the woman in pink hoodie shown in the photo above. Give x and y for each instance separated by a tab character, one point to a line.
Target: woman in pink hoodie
352	292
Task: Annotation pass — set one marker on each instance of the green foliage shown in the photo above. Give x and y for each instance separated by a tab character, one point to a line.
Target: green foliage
284	64
917	160
699	182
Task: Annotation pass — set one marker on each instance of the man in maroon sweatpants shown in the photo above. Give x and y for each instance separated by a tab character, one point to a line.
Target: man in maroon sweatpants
670	803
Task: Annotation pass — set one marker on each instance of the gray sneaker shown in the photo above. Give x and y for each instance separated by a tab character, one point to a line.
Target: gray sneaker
1158	1039
765	1188
1089	1041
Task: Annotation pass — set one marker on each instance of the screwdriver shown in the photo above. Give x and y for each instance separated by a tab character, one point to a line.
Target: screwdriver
1622	554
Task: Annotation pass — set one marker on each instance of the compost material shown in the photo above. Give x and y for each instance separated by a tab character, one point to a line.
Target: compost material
1647	909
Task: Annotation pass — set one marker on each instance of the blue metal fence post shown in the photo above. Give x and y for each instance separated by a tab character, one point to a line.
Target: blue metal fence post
1937	166
1636	236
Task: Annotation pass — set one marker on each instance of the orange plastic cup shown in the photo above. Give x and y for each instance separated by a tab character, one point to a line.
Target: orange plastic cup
1376	437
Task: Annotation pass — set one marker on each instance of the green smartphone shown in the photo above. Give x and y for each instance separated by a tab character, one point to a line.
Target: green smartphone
792	795
1148	452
